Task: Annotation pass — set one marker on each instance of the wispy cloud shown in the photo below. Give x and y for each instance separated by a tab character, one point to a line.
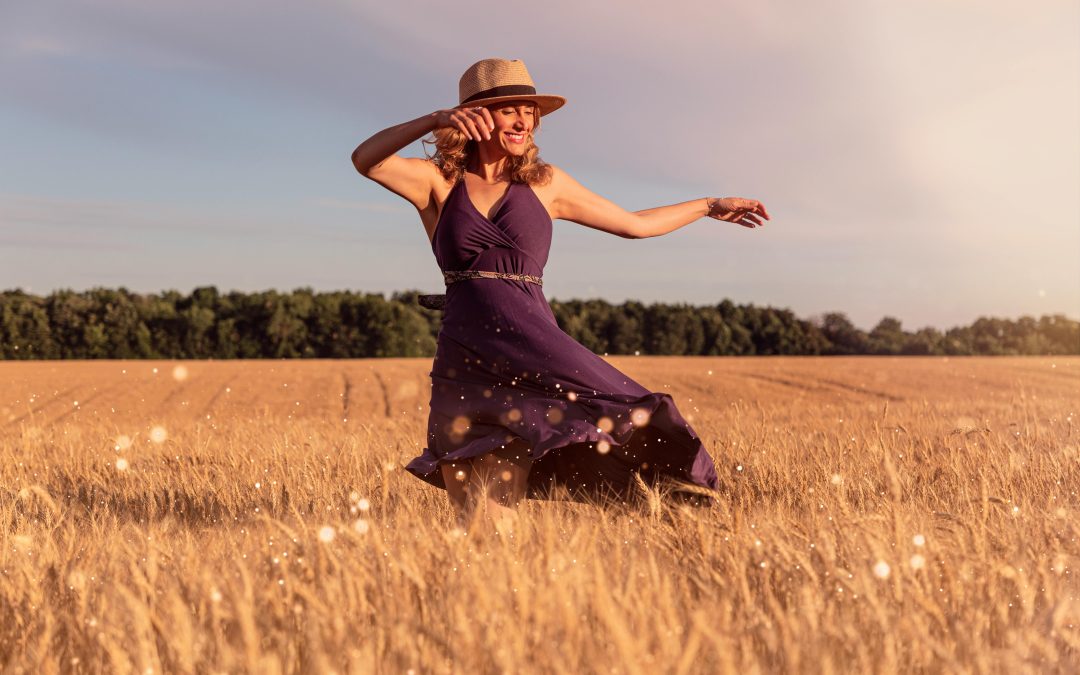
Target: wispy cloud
40	45
353	205
33	220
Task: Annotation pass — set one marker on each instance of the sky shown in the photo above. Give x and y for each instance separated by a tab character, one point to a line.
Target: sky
919	159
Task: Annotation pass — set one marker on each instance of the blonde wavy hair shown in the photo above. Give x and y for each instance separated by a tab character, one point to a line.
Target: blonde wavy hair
453	149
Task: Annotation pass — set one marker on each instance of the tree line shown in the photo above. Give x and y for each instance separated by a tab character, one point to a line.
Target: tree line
103	323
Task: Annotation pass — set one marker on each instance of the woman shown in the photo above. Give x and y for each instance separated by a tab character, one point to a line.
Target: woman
518	408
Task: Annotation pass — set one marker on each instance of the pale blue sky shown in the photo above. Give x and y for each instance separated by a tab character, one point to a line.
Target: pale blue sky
920	159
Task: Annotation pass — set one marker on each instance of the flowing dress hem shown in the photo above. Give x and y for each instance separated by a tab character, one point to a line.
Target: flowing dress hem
695	466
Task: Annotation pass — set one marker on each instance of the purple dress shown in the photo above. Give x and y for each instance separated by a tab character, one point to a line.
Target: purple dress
507	379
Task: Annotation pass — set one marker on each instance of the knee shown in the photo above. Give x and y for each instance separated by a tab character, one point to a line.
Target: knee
495	468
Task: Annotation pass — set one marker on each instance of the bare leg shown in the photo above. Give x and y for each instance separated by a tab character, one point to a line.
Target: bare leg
489	485
458	476
497	486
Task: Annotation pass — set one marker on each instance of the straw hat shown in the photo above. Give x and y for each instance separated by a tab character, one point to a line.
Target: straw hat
494	80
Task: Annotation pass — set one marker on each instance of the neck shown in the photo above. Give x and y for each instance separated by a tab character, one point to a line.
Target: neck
492	167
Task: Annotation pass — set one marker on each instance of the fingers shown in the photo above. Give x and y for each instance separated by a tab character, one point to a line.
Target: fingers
464	129
741	218
474	129
483	120
488	119
741	205
745	212
757	207
744	217
460	120
753	206
749	220
480	123
473	124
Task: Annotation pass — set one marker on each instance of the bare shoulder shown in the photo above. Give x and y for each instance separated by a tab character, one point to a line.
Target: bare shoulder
550	192
562	191
559	178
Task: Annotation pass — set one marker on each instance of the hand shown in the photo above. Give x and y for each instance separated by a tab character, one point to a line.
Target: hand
473	122
745	212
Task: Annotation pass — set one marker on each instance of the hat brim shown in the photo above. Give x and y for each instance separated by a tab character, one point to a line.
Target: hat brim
547	103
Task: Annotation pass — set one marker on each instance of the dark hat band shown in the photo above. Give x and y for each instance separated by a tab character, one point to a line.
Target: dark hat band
504	90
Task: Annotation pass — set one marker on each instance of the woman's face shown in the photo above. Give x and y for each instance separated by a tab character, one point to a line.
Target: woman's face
514	122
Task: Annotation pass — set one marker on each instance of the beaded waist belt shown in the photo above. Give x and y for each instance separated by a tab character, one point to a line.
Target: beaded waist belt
450	276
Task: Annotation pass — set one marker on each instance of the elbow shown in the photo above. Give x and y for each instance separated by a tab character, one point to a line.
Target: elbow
361	161
636	230
358	163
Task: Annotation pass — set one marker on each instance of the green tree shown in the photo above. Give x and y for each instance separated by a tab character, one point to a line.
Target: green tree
925	341
843	336
25	332
717	332
887	337
626	330
666	330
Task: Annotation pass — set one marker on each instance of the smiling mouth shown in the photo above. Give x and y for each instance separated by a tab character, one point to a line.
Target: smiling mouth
516	138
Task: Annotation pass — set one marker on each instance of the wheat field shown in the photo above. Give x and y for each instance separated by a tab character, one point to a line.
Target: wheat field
876	515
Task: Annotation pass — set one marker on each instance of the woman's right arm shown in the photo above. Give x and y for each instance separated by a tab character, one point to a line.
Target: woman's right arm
410	177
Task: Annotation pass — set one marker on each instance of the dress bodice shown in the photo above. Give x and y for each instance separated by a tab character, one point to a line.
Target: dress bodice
517	239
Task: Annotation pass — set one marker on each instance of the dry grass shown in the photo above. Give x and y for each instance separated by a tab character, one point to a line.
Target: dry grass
877	515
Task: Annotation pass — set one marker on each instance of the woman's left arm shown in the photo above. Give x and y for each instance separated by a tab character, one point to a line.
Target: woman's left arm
573	202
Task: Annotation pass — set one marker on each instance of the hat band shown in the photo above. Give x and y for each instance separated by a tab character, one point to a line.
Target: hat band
504	90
